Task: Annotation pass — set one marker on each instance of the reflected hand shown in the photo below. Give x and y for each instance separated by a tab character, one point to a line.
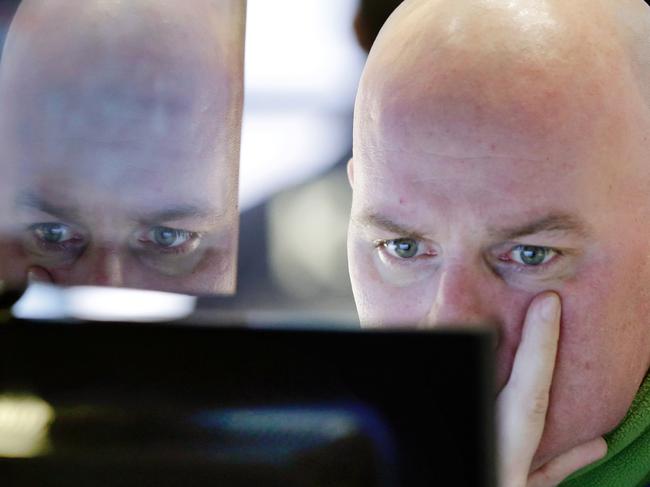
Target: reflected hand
38	274
523	403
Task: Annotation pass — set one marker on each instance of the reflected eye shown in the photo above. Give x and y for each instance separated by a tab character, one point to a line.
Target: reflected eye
170	237
167	250
53	233
54	241
531	255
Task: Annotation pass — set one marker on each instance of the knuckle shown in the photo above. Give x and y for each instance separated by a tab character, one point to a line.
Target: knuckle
538	404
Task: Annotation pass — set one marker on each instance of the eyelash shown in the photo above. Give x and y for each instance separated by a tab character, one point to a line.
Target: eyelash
77	243
517	267
74	244
193	238
382	246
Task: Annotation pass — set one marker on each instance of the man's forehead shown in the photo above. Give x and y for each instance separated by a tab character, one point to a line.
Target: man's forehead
431	84
479	117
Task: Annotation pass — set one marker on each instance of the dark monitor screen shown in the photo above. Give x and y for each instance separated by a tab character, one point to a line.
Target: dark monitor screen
183	405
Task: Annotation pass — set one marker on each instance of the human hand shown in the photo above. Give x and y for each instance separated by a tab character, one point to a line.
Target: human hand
38	274
523	403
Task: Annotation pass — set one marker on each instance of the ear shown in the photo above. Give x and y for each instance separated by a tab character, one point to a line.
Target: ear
351	172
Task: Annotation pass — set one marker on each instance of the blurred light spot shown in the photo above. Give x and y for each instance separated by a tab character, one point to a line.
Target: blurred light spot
275	435
323	424
284	148
302	69
46	301
308	238
41	302
24	425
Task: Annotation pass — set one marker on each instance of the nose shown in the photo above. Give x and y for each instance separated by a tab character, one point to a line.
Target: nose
101	266
465	295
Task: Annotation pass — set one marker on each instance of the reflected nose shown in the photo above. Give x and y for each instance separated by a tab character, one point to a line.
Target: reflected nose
464	296
104	266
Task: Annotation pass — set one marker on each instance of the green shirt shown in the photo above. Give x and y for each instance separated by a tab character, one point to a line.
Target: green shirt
627	463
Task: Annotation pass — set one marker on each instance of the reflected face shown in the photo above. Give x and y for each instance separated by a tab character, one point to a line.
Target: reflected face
468	202
185	246
122	145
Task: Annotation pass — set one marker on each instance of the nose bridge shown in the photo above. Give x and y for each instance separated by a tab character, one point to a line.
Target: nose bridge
463	295
105	266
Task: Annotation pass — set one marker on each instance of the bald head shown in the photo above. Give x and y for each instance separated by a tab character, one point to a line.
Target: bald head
128	108
494	68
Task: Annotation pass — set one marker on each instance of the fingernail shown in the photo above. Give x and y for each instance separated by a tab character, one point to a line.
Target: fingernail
32	277
602	448
550	307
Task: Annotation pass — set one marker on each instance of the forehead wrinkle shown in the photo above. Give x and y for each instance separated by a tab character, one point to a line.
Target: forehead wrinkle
372	149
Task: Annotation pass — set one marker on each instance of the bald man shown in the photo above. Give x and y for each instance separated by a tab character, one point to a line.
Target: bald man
501	174
119	130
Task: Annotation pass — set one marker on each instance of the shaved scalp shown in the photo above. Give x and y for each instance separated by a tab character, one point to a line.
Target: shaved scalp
140	74
543	66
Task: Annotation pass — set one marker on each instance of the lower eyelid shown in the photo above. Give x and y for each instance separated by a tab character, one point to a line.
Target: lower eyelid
186	247
514	266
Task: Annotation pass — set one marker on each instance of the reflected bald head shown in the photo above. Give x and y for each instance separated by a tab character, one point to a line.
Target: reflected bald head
126	114
491	69
157	77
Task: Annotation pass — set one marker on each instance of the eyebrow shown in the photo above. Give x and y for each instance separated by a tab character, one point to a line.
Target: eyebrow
554	222
178	212
36	202
383	222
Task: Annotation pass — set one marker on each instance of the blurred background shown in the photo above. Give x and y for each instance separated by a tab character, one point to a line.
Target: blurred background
301	81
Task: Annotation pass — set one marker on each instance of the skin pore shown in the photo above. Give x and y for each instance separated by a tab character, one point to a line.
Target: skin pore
501	151
120	132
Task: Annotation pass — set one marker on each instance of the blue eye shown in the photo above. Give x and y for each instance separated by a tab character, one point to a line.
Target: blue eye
53	233
170	237
404	248
531	255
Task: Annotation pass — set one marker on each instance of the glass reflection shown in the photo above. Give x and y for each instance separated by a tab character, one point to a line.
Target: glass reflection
119	129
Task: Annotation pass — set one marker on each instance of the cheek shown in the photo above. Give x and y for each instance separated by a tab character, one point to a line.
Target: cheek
13	263
379	303
603	350
604	315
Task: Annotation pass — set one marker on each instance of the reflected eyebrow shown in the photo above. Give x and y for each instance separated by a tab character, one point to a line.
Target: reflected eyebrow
179	212
555	222
34	201
383	222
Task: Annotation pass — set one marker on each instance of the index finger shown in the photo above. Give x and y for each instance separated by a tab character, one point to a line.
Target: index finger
523	402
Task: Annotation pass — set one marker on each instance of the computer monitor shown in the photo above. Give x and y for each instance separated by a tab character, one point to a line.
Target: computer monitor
180	404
